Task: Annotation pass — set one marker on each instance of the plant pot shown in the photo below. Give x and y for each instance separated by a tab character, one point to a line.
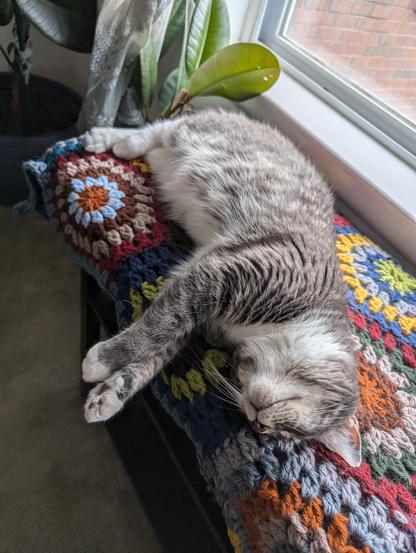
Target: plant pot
55	111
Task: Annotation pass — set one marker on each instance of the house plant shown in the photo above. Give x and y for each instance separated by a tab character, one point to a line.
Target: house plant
34	111
126	86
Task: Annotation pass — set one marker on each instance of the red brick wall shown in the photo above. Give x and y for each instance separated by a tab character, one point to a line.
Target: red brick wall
373	43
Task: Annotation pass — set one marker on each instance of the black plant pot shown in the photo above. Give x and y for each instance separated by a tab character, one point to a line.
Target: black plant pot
54	109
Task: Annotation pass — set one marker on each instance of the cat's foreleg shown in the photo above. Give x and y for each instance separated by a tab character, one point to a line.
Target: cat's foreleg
144	140
129	143
102	139
131	359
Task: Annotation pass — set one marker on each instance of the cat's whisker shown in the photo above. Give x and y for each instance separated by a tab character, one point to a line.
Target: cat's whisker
235	394
229	397
234	408
222	388
222	382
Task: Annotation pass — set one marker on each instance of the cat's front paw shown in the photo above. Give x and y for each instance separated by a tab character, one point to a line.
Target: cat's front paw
94	368
104	400
99	140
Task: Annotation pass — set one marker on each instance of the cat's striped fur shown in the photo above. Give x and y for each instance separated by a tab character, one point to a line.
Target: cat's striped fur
265	273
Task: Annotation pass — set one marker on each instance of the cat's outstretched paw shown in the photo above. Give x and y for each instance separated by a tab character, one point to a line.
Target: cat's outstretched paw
94	370
99	140
103	401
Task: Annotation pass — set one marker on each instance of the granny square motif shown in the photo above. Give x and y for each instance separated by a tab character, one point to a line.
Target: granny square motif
105	207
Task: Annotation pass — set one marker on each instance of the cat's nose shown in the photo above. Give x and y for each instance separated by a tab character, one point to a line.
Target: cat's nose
259	427
261	397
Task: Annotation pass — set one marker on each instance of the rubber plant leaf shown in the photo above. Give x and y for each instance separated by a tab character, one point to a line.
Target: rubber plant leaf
148	72
218	34
71	27
182	77
236	72
175	24
197	34
6	11
150	53
167	92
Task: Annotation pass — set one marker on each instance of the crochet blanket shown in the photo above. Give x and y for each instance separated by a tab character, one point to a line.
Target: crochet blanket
275	495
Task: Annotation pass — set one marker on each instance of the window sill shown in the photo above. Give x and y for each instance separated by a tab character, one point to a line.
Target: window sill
369	179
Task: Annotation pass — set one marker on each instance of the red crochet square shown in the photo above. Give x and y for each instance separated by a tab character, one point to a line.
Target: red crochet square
106	207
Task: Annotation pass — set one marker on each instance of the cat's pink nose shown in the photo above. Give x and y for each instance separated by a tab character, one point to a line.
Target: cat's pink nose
258	427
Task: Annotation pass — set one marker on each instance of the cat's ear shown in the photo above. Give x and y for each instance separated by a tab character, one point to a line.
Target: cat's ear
344	440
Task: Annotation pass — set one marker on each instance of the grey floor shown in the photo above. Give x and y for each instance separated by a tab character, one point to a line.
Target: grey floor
62	487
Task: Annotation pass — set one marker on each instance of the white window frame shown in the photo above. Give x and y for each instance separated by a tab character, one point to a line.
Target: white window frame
375	186
372	115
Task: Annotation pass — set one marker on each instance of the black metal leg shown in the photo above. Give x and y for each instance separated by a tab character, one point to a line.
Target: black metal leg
90	325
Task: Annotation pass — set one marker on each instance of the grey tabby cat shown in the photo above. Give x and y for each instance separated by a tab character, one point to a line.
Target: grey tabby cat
264	273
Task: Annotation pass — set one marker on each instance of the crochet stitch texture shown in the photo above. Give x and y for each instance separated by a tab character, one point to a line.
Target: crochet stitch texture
275	495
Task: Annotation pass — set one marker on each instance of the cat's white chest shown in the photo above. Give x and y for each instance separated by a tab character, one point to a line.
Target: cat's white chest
187	206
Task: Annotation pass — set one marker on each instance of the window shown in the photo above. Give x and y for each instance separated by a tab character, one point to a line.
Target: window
359	54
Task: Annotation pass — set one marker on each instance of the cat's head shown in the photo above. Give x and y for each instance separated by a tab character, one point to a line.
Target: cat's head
301	383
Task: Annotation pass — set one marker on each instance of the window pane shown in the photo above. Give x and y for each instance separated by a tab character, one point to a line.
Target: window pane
372	44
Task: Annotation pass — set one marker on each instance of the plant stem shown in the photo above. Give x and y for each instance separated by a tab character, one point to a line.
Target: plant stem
7	58
179	99
178	104
21	97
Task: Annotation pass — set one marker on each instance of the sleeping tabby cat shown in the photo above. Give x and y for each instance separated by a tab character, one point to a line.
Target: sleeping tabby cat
264	273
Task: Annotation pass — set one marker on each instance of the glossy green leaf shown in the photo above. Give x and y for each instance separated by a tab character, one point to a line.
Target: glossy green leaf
236	72
182	80
176	22
167	92
6	11
218	34
148	70
70	27
197	35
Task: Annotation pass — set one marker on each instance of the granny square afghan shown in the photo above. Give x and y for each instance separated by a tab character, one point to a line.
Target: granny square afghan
275	495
